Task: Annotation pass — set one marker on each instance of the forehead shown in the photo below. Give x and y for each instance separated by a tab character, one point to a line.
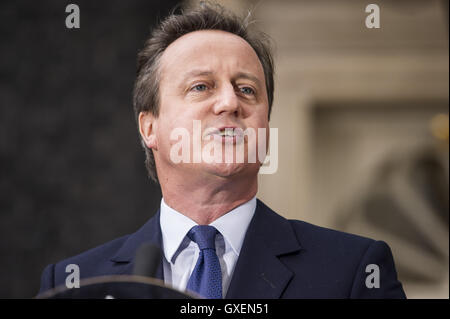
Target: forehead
211	49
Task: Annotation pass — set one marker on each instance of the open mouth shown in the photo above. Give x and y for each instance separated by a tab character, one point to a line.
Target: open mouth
227	132
232	134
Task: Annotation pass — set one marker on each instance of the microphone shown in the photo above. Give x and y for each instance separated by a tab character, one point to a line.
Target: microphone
147	259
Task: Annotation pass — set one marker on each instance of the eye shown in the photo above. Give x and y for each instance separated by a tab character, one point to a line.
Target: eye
199	87
247	90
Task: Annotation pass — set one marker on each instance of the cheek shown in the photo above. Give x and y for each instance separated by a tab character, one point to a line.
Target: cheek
172	130
262	123
263	133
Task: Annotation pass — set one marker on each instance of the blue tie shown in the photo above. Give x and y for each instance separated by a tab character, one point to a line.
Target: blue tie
206	278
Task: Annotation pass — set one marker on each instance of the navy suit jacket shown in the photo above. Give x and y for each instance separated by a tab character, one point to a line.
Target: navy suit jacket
279	258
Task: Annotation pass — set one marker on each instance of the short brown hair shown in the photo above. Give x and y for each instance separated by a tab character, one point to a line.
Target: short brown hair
207	16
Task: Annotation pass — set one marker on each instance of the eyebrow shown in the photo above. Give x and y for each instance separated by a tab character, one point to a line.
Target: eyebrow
194	73
240	75
248	76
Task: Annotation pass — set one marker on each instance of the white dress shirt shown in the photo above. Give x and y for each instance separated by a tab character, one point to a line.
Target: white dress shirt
181	254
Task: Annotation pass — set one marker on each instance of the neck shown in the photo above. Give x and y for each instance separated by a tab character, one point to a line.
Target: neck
204	201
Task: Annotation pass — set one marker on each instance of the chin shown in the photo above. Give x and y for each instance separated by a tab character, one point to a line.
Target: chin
227	170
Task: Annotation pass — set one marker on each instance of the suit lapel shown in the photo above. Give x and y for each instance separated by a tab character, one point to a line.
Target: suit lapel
150	232
259	273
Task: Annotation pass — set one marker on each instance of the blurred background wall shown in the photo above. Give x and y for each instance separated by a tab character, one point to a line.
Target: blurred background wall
362	118
72	169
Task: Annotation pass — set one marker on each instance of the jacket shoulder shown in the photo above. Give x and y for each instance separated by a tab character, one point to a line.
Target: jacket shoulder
349	255
97	255
91	263
309	233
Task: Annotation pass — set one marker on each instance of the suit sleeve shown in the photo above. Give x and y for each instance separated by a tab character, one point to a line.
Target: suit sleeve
376	276
47	278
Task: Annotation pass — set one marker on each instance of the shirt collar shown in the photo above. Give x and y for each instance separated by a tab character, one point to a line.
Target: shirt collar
233	226
174	227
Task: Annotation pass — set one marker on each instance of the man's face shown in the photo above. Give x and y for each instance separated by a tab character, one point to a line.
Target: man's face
214	77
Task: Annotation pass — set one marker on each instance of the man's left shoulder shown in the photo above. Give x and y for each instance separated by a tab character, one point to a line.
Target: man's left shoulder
344	249
310	235
340	261
314	235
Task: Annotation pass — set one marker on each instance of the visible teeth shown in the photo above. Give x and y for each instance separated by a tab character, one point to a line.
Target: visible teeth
227	133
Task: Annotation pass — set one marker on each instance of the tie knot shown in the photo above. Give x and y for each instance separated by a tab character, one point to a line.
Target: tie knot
204	236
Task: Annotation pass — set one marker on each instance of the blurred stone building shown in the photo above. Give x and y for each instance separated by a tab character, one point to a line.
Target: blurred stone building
362	118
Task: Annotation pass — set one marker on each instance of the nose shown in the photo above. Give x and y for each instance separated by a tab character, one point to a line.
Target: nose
227	101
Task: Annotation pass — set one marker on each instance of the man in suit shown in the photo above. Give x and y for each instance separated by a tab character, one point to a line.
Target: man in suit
217	239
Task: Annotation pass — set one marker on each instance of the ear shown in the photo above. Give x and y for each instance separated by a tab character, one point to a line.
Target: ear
147	129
